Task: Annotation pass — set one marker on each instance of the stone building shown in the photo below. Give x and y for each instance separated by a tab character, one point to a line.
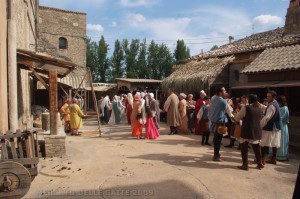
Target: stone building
63	34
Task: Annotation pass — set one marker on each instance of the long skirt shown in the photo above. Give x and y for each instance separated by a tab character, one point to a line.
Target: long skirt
204	125
151	130
137	129
184	125
128	113
283	151
106	114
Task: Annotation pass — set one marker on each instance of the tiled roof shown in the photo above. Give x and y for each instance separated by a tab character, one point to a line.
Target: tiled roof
255	42
276	59
138	80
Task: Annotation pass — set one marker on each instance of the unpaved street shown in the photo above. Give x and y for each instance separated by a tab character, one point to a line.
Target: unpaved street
173	166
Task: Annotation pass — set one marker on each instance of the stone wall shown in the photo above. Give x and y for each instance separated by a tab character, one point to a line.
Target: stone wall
24	12
55	23
292	22
55	145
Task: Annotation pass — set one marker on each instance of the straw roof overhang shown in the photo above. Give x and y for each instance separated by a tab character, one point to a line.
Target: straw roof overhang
193	75
102	87
132	80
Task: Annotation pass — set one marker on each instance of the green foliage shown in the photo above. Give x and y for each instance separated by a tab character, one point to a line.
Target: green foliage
117	61
181	53
131	54
133	59
214	47
92	57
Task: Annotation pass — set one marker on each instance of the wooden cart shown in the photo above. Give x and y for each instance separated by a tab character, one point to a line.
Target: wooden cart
18	162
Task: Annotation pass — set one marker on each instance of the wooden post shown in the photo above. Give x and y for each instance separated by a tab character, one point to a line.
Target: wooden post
95	101
12	76
53	102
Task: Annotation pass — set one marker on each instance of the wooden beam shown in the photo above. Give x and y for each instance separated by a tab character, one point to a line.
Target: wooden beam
39	77
76	92
95	100
63	89
53	105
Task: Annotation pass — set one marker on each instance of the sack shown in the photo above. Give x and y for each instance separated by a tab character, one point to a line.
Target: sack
67	126
222	129
237	131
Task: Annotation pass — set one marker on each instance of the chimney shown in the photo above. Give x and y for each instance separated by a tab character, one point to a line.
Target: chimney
292	21
231	39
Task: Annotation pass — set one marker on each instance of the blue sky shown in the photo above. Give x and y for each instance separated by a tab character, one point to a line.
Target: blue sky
200	23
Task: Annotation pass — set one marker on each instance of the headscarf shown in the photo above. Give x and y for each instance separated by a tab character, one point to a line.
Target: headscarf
130	98
105	101
151	95
183	95
137	97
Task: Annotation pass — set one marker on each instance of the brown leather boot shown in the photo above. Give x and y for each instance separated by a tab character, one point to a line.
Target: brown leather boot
260	165
244	153
257	153
272	160
217	158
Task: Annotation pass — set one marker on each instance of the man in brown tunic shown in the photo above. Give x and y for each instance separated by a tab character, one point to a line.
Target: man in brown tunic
171	107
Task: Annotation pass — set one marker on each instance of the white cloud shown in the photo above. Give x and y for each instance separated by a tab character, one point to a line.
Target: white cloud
75	5
139	3
267	20
95	27
169	28
113	24
136	19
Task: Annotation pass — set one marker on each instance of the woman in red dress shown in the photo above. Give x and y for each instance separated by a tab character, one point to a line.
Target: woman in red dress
151	130
198	106
136	115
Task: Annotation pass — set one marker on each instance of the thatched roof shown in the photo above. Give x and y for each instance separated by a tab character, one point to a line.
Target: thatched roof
195	75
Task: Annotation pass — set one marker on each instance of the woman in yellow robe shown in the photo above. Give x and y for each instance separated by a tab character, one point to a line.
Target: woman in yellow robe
76	116
65	111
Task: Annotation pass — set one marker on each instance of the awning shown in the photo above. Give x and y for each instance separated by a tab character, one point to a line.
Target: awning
291	83
102	87
253	85
270	84
43	63
46	79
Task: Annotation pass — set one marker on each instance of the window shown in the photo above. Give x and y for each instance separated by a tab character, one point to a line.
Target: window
236	75
63	43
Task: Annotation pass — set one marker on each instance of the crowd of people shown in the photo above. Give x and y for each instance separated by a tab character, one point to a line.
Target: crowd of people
262	125
141	111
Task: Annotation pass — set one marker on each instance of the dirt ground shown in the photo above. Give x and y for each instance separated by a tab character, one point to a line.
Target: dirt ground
173	166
